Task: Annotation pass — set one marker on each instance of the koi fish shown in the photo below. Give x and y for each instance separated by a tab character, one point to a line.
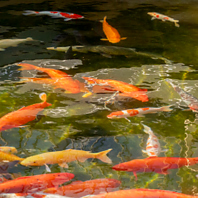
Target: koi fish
79	188
55	14
111	33
9	157
59	79
153	148
5	43
8	149
142	193
126	89
190	100
30	195
23	115
138	112
30	184
162	17
53	82
155	164
63	157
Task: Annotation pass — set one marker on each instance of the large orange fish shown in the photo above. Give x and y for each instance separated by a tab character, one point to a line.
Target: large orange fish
63	157
111	33
35	183
79	188
155	164
8	149
59	79
23	115
142	193
125	89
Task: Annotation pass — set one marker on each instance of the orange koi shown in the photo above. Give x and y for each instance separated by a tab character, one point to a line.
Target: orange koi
60	79
155	164
8	149
126	89
111	33
142	193
30	184
63	157
162	17
79	188
137	112
23	115
30	195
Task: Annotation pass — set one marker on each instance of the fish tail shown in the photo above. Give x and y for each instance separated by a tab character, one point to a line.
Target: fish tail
26	66
103	19
43	97
147	129
29	12
103	156
176	23
166	108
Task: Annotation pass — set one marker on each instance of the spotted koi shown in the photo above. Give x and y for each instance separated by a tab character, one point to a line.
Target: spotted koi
137	112
55	14
190	100
162	17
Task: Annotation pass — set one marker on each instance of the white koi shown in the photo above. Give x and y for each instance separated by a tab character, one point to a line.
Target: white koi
162	17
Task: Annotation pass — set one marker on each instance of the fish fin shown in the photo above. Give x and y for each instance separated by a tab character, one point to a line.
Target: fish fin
127	119
104	39
135	175
1	49
166	108
47	168
87	94
103	156
144	151
64	165
176	24
43	97
153	18
28	12
29	39
82	159
67	19
23	126
123	38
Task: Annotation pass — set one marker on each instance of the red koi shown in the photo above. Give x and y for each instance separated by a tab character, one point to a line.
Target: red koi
59	79
23	115
55	14
35	183
143	193
155	164
125	89
79	188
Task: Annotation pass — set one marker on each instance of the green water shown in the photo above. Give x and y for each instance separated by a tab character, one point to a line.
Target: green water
81	123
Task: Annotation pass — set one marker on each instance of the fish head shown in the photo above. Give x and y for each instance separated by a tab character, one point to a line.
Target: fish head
33	161
117	114
151	13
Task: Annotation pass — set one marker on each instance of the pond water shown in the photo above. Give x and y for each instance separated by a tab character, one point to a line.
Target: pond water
81	123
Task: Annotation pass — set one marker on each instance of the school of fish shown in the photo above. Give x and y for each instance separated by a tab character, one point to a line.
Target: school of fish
48	185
